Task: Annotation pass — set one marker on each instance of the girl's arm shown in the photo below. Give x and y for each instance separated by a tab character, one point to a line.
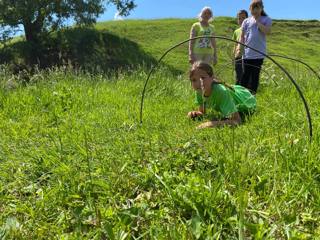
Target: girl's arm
191	43
234	120
238	48
234	51
214	47
264	29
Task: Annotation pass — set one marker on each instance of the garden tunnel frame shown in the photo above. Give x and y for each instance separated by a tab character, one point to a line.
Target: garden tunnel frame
234	41
279	56
296	60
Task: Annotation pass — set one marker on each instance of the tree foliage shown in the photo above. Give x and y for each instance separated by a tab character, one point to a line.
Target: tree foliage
38	17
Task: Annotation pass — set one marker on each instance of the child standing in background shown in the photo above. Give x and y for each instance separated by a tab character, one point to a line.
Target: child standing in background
241	16
232	102
254	31
203	49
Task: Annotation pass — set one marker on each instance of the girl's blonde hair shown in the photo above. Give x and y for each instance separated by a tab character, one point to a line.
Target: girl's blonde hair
203	10
208	69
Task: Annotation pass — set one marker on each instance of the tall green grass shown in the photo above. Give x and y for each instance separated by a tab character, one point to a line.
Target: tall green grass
76	164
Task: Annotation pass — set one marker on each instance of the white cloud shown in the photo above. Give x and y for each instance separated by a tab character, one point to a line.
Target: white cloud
117	16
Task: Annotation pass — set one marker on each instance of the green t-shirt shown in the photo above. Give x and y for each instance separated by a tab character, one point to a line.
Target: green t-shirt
236	36
203	45
228	101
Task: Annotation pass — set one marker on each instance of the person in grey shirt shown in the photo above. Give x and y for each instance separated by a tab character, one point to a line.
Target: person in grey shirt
254	31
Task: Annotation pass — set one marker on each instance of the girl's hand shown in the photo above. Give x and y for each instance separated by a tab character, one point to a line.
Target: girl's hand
264	29
259	23
238	51
194	114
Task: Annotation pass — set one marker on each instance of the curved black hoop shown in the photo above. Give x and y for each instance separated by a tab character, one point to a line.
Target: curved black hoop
296	60
231	40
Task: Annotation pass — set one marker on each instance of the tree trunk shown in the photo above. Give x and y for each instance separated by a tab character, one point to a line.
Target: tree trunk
32	33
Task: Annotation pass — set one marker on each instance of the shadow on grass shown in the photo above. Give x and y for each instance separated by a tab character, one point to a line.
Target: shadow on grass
87	49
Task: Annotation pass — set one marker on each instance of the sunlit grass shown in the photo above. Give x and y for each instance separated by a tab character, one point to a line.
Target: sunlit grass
76	163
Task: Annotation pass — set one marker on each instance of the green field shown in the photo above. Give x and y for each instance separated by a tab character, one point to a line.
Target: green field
299	39
76	164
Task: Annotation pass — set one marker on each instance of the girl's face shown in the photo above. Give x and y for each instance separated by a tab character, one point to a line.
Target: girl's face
206	15
241	18
195	80
256	12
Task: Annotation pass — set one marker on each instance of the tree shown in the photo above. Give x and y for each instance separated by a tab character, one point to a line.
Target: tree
39	17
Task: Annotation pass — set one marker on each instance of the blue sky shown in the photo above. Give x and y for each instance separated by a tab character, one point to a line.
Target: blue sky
276	9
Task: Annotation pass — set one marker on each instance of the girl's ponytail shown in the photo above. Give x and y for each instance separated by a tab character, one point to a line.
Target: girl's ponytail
263	13
216	81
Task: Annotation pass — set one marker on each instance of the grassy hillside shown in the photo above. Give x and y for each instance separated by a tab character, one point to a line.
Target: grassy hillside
76	164
298	39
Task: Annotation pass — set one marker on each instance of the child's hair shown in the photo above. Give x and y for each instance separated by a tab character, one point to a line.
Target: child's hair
242	12
203	10
208	69
258	4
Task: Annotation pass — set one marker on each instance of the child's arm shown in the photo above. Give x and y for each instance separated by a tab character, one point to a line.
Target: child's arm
264	29
238	48
234	120
234	50
214	47
191	43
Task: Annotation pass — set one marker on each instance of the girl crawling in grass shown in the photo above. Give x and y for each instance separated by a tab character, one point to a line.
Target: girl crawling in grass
233	102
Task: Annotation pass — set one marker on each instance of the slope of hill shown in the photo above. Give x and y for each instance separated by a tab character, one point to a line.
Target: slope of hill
298	39
127	44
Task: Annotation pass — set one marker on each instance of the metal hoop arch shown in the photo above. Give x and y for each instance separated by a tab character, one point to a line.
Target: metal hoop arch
297	60
231	40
